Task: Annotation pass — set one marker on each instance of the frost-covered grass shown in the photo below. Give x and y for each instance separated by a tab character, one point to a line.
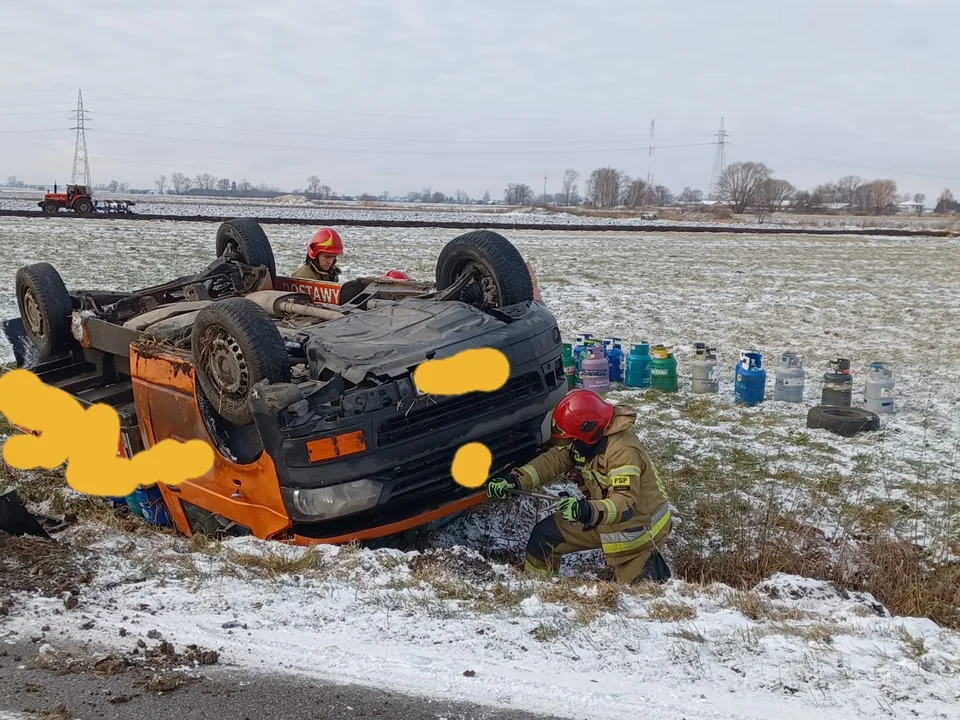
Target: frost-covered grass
757	492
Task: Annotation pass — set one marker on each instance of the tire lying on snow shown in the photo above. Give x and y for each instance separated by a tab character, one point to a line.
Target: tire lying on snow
236	345
842	421
45	308
505	278
246	237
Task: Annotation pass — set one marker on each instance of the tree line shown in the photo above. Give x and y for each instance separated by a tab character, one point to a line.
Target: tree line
743	186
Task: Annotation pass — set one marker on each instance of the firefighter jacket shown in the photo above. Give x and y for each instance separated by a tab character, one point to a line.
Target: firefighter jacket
621	481
308	271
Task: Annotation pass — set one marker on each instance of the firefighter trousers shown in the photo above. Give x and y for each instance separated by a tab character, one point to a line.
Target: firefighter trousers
553	537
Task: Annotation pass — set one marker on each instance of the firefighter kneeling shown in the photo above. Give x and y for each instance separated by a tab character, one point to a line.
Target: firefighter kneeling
626	512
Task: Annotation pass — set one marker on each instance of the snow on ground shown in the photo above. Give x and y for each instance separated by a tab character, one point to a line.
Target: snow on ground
298	207
807	652
453	626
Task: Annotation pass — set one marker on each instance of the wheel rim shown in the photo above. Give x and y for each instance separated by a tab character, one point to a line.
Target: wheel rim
224	363
32	314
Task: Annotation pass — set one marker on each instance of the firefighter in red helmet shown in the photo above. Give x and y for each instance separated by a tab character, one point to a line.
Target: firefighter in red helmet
321	260
625	512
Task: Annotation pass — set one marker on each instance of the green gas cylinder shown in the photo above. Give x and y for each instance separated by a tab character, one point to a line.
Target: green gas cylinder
569	366
663	369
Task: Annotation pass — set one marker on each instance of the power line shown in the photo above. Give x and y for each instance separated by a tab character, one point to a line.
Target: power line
380	139
38	130
368	151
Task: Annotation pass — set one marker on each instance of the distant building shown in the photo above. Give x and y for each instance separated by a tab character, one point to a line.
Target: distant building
910	207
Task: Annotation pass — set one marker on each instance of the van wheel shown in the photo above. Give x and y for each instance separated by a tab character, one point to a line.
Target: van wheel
45	308
503	278
236	345
245	237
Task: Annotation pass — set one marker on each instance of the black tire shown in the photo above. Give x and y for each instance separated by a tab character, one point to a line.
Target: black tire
843	421
506	280
235	345
249	239
50	207
45	308
83	207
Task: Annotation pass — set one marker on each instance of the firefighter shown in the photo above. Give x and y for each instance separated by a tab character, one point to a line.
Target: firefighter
625	513
321	260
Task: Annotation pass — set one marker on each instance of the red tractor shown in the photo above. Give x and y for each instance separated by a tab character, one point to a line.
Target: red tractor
76	198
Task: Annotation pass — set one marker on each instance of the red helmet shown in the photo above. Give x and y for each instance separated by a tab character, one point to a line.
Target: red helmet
581	415
326	240
397	275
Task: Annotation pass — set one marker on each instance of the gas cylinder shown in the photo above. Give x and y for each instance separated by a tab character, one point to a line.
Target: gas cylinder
638	365
751	382
791	376
706	371
878	390
588	342
615	358
663	369
838	384
595	369
569	368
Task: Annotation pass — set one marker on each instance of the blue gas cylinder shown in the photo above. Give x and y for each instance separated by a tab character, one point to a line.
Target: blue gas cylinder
751	382
615	358
638	365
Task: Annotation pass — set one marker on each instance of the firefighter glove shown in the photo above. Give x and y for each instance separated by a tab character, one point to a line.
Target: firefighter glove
577	510
499	486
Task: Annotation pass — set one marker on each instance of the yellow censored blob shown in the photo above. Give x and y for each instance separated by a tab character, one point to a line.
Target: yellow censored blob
471	464
87	440
477	370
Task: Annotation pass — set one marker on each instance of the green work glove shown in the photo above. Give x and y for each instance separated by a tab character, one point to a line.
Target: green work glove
577	510
499	486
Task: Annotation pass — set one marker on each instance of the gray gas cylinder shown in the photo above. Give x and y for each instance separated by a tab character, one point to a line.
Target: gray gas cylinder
706	372
878	389
790	378
838	384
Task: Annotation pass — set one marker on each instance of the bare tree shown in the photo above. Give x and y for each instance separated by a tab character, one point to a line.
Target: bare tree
740	183
662	196
486	196
919	199
124	186
691	196
161	183
570	177
439	197
206	181
945	202
244	187
462	197
881	195
313	186
113	185
847	189
223	185
518	194
180	183
636	193
773	193
426	195
606	187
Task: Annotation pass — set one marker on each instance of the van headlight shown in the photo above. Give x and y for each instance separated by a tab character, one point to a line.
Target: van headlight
337	500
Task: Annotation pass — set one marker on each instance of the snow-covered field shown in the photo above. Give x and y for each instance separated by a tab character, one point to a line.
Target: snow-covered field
289	206
791	648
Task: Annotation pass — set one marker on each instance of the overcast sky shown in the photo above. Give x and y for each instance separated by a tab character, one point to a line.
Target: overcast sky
395	96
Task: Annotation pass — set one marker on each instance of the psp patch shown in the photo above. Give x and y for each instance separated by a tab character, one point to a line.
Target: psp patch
620	481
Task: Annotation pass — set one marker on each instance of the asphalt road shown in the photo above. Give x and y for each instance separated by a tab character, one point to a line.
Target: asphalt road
219	694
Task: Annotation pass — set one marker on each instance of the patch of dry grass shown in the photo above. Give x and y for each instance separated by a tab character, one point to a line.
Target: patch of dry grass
590	600
818	632
274	563
758	608
667	611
